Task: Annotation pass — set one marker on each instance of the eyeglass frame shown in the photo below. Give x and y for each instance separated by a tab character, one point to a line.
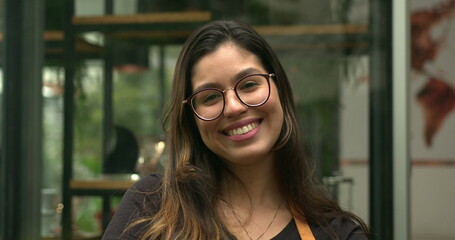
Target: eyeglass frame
267	76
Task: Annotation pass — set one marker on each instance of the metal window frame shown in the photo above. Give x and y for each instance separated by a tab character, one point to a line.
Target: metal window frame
389	158
21	154
401	157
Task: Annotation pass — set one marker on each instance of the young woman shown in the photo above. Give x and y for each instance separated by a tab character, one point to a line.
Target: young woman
236	167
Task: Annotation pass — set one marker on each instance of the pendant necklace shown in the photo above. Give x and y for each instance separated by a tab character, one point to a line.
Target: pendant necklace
243	227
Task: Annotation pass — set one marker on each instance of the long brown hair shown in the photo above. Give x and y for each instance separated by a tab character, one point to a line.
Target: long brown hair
190	186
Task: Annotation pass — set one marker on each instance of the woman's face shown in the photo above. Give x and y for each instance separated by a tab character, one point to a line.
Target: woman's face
222	69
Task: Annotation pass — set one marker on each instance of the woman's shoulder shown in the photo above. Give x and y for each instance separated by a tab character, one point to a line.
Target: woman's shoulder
149	183
343	227
140	200
145	192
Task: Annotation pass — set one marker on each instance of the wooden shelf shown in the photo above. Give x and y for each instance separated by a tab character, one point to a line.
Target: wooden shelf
101	184
104	188
167	17
311	29
47	36
165	21
54	44
144	35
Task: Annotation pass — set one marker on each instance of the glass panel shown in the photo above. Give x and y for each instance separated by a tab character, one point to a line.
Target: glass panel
52	140
432	126
146	88
354	137
328	68
88	118
88	144
52	150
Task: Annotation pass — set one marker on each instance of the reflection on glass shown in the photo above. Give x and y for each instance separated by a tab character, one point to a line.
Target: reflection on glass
146	90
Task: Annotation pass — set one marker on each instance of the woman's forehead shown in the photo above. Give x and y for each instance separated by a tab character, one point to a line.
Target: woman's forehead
228	62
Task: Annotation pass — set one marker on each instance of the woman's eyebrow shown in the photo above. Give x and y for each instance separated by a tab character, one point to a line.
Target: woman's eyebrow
238	76
206	85
245	72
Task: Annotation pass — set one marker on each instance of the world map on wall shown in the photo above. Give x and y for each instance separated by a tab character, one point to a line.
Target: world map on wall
437	96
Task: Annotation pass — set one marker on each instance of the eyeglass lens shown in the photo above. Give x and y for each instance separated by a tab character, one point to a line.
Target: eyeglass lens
252	91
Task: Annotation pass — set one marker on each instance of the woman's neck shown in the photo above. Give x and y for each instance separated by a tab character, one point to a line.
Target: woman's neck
258	183
253	206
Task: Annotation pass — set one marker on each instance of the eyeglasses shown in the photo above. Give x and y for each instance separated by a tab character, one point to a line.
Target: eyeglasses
252	90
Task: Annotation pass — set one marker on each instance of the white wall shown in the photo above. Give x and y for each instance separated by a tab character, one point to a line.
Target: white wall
432	206
432	199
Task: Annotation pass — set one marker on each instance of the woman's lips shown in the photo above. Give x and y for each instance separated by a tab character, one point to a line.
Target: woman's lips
242	127
242	130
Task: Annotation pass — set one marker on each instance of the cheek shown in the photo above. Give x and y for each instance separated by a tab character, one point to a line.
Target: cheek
205	129
275	103
200	126
276	111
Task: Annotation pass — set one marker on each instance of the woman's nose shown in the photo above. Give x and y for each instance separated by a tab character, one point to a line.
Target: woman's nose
232	105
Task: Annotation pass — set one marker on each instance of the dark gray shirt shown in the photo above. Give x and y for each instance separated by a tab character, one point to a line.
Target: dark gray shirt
133	202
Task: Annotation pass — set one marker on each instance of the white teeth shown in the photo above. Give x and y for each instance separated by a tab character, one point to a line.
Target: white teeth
242	130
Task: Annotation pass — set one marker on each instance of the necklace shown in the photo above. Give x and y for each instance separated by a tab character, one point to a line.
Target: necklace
243	227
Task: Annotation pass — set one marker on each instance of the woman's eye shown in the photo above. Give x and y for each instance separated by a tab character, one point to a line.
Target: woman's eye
248	85
211	98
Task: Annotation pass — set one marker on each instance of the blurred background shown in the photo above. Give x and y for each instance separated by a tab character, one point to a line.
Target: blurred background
84	83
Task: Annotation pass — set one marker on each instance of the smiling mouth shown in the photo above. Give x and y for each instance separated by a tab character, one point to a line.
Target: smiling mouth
242	130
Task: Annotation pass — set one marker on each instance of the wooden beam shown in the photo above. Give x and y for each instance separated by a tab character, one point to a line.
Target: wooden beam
101	184
311	29
167	17
48	36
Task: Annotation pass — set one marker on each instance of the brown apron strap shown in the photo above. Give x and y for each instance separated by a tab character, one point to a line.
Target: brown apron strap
304	230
